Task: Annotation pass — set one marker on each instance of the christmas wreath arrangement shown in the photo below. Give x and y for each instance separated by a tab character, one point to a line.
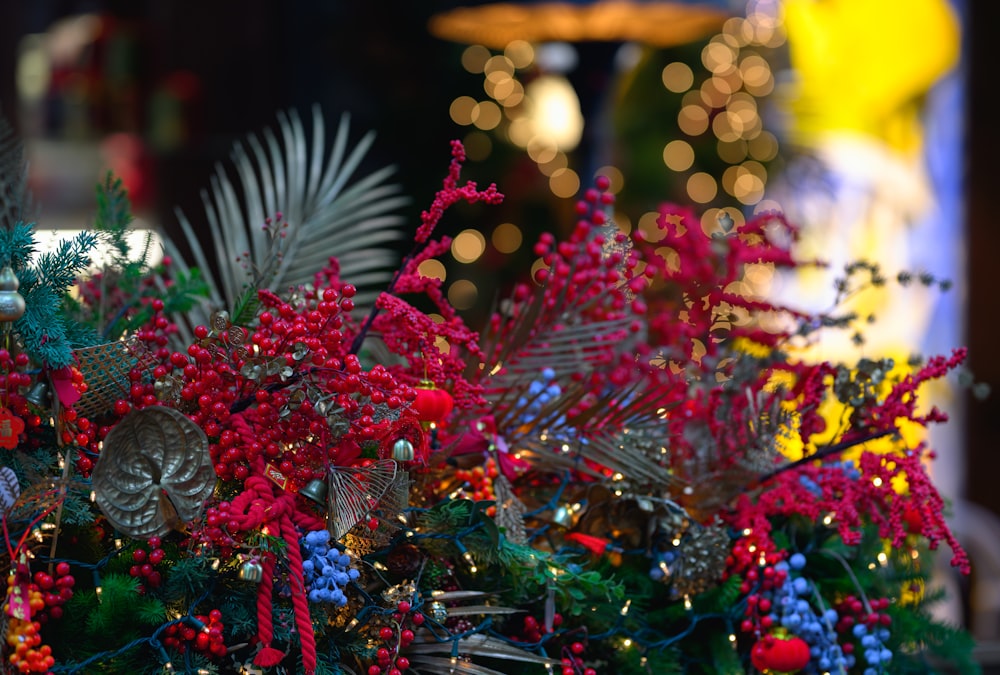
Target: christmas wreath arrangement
300	459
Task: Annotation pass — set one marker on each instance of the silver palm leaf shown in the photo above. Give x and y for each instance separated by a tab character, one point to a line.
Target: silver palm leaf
330	212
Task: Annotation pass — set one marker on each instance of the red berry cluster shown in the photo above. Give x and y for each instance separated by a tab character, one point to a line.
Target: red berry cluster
852	611
532	630
760	580
219	527
395	638
145	562
55	591
208	640
13	381
572	660
292	349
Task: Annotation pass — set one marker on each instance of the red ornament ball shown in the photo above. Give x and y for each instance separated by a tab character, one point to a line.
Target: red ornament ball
432	404
777	654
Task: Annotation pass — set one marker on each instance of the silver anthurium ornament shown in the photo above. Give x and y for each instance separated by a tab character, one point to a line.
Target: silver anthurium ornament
154	473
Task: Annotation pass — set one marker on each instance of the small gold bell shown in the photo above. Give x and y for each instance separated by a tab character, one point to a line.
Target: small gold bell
11	303
252	571
316	491
402	450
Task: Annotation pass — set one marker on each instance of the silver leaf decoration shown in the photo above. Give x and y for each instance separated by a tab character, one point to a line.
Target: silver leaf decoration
154	472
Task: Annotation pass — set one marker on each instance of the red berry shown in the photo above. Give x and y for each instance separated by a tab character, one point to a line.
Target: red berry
577	647
386	633
403	606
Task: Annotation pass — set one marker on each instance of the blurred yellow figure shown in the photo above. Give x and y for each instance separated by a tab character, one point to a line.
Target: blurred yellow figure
863	65
860	72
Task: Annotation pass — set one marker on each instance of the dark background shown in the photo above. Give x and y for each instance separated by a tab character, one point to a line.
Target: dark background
254	57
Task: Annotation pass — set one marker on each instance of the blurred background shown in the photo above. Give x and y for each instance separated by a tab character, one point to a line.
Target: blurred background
871	124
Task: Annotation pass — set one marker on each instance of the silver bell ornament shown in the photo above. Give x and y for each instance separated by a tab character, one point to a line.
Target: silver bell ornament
38	395
402	451
252	571
11	303
315	490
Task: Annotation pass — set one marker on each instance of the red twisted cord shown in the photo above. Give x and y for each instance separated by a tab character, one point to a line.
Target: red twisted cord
253	507
303	620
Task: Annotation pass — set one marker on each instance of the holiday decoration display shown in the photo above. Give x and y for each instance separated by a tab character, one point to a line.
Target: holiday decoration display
627	470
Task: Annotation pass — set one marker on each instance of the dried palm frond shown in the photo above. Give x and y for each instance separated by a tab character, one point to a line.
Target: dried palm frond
326	216
624	431
510	511
472	646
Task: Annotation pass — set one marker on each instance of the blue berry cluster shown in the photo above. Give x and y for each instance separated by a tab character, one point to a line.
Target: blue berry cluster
661	560
540	392
793	611
875	653
326	570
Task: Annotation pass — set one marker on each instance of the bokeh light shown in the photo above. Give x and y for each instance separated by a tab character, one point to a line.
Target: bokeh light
463	294
693	120
478	145
507	237
564	183
649	228
468	246
678	155
701	187
474	58
763	147
461	110
486	115
678	77
733	152
520	53
558	160
432	269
